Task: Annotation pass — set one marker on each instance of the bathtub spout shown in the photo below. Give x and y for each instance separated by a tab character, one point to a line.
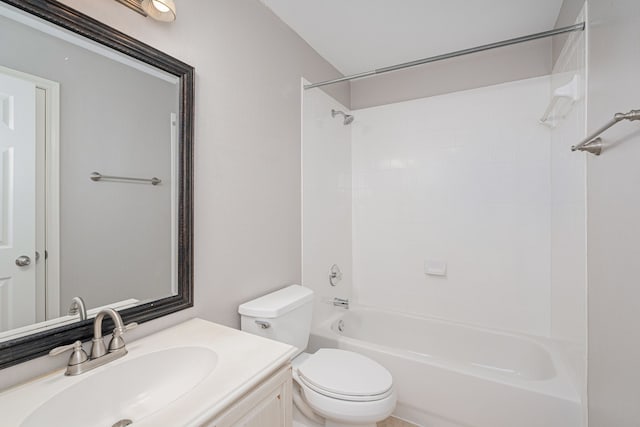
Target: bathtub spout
340	302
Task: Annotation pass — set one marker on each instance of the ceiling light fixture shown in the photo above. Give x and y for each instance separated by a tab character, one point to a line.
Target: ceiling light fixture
160	10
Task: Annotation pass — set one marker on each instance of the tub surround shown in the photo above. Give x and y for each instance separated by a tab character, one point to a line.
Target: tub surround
478	199
244	361
474	194
326	200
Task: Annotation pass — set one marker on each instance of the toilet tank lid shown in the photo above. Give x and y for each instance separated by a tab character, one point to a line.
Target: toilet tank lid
277	303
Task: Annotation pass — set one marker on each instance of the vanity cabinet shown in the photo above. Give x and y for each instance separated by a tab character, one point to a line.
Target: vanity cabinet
269	404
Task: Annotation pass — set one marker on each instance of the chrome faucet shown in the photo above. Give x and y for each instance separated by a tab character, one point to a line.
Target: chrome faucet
78	307
117	343
80	362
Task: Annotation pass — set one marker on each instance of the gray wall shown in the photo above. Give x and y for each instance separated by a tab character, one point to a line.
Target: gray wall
247	153
613	212
512	63
115	237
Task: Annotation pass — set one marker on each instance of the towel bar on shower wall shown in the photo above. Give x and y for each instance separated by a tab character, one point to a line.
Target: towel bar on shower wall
593	144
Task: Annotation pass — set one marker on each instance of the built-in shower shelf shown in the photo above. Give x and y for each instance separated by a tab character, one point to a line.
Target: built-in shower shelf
569	92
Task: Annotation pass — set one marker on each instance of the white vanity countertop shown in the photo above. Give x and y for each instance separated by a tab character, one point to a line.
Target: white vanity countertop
244	360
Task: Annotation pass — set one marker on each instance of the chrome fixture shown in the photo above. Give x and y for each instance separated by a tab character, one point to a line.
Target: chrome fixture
78	357
23	261
536	36
340	302
263	324
594	147
335	275
160	10
78	307
79	362
97	343
97	176
348	118
593	144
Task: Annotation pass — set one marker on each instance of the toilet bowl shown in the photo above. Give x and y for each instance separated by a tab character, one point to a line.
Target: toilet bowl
333	387
343	387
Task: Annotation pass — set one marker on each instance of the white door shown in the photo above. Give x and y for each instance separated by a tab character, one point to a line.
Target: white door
17	202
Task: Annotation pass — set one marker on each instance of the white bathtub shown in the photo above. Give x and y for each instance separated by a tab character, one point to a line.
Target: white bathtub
452	375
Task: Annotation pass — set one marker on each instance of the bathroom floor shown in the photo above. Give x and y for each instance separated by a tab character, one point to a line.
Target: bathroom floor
395	422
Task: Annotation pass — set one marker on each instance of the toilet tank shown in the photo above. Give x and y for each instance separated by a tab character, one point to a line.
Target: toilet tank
283	315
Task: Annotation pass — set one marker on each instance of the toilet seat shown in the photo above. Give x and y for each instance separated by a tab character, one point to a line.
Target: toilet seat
344	386
345	397
345	375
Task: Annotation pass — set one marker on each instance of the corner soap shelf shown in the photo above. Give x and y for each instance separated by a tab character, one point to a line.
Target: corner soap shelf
569	91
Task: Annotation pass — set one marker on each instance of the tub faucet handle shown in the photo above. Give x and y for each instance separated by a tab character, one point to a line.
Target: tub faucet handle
335	275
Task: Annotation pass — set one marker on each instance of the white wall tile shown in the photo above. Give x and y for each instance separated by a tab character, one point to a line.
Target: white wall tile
568	213
326	199
568	202
465	178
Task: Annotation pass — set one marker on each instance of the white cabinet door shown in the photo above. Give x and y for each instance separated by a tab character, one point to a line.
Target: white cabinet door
17	202
268	405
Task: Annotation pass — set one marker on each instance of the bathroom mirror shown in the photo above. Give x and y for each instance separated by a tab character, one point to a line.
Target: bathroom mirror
96	137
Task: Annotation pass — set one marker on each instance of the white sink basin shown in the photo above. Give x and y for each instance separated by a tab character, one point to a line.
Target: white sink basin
182	376
128	391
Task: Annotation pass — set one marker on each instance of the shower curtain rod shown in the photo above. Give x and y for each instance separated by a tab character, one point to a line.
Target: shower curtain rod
536	36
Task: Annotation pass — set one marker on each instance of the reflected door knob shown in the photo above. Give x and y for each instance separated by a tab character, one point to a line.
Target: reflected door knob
23	261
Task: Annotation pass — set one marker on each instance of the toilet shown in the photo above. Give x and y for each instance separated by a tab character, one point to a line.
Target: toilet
332	387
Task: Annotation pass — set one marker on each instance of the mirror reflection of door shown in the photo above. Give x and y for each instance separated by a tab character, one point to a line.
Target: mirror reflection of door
25	120
17	202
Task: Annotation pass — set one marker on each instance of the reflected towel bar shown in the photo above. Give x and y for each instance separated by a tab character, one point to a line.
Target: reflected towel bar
593	144
96	176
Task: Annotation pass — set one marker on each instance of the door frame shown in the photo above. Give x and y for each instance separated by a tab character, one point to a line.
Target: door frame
52	188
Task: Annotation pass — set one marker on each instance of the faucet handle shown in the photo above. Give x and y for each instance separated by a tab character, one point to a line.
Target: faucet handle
117	332
117	342
59	350
78	354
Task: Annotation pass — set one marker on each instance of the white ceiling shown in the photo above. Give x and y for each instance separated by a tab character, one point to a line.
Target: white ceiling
361	35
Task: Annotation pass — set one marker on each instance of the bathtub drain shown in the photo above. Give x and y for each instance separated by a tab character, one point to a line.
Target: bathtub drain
122	423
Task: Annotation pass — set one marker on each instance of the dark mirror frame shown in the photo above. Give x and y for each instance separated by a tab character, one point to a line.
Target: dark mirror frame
38	344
